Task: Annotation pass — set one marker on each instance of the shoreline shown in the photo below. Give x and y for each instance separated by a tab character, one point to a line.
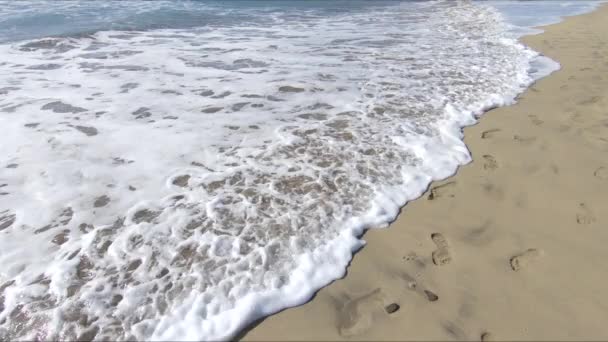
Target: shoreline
497	236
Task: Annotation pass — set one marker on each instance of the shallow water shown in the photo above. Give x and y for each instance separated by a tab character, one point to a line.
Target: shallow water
178	176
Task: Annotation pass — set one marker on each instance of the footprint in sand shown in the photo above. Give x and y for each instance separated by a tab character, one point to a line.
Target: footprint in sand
442	190
441	256
590	101
535	120
489	162
601	173
524	140
489	133
357	315
584	215
487	337
526	258
594	136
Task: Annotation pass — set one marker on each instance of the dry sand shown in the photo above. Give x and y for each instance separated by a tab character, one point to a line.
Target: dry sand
515	246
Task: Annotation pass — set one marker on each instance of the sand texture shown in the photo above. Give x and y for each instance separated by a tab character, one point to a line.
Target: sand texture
515	246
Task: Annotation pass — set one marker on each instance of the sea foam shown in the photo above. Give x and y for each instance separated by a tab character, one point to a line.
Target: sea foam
179	184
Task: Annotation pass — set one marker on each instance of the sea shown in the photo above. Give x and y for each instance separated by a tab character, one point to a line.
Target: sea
176	170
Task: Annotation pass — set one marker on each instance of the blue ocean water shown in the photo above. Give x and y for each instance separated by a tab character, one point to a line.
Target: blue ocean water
174	170
29	19
40	18
527	14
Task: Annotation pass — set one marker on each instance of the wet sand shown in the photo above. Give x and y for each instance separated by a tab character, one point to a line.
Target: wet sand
514	246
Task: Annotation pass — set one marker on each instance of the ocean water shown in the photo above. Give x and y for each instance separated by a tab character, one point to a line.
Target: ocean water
524	15
174	170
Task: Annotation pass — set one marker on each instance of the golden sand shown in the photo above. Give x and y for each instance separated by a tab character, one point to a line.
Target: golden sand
513	247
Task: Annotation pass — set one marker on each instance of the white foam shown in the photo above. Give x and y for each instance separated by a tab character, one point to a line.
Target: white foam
526	17
179	184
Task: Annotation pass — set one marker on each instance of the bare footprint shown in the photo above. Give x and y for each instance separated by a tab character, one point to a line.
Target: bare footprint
590	101
489	162
526	258
487	337
441	256
442	190
489	133
594	136
535	120
585	215
601	173
356	316
524	140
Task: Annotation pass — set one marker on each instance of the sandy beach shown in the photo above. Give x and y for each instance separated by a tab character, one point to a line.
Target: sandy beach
514	246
